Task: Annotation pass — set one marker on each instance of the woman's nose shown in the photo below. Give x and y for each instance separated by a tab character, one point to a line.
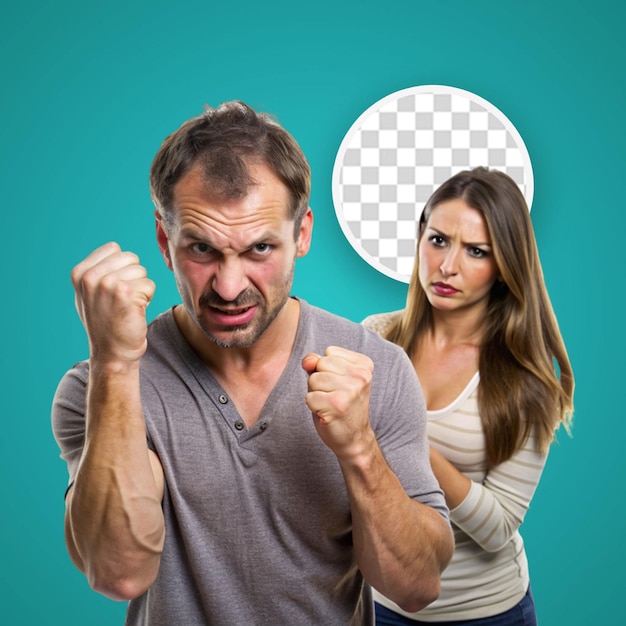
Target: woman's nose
449	266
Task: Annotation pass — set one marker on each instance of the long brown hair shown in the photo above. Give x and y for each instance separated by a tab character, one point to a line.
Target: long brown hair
526	380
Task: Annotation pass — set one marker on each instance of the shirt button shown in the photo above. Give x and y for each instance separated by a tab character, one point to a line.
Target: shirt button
263	426
239	425
223	399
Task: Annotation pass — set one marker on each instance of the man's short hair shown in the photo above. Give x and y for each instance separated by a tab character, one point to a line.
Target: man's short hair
224	142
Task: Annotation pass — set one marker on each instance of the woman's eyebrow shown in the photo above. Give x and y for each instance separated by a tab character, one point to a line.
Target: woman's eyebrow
465	243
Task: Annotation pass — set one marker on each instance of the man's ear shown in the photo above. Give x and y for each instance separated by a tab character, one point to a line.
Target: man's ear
163	239
304	234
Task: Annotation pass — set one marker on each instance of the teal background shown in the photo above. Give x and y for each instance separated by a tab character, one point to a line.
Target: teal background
90	89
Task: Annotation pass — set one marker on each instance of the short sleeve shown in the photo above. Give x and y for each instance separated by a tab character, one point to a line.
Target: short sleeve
68	416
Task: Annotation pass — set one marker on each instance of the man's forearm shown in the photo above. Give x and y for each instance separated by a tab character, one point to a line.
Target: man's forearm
401	545
114	520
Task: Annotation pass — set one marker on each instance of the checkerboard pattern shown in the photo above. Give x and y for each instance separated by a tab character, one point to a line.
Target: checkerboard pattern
400	150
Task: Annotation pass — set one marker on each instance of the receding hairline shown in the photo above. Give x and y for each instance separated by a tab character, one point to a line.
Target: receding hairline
228	139
170	215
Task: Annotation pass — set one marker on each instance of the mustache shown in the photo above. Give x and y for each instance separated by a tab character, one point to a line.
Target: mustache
249	297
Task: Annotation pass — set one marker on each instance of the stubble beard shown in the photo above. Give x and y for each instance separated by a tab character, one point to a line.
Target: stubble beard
245	335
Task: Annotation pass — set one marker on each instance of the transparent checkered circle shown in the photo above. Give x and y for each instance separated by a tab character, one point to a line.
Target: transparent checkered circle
400	150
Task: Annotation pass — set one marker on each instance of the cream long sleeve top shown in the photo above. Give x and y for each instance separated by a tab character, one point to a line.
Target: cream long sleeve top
488	573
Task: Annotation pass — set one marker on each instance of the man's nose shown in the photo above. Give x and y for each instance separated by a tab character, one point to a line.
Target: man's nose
229	279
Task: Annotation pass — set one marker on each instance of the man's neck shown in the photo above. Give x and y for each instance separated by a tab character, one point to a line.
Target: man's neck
247	375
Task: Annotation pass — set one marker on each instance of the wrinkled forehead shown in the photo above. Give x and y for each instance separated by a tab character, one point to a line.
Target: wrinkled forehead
457	215
264	196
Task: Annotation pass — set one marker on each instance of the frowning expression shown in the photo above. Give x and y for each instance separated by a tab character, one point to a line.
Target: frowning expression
456	265
233	259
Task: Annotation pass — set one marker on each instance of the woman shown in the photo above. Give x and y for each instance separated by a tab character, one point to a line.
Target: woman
480	331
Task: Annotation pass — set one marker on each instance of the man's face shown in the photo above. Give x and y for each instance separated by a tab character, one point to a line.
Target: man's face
233	259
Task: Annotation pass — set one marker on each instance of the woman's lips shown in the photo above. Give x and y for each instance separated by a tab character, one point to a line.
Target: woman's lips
443	289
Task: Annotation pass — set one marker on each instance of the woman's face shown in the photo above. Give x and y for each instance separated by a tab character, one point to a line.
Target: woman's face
456	265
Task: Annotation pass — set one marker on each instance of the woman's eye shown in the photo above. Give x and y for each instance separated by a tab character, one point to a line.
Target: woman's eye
478	253
437	240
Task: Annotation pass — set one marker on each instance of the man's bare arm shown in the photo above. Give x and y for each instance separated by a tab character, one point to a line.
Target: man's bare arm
401	545
114	523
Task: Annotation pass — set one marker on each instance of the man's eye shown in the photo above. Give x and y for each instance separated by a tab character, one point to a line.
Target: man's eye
262	248
200	248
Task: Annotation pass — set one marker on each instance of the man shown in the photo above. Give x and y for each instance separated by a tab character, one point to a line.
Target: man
246	457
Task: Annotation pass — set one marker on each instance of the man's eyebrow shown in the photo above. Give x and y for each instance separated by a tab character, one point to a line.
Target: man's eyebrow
269	236
188	233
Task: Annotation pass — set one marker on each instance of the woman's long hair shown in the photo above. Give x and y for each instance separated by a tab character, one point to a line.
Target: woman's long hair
526	380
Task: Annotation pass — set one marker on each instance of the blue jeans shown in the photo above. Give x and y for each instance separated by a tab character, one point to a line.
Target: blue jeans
522	614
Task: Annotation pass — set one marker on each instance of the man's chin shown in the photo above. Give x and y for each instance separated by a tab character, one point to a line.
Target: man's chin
233	337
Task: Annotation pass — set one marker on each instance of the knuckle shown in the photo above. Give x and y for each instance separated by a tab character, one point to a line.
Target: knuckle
108	282
122	291
75	275
341	400
89	280
131	258
361	375
366	376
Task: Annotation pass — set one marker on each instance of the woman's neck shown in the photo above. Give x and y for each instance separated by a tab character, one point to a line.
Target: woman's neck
457	327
